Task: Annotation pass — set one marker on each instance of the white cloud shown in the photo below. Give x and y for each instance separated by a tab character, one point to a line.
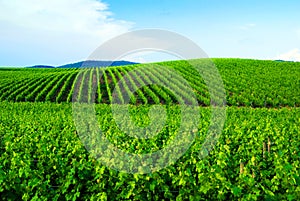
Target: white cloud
247	26
83	16
292	55
66	26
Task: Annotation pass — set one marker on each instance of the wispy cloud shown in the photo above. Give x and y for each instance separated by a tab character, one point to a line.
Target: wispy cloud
292	55
83	16
247	26
63	25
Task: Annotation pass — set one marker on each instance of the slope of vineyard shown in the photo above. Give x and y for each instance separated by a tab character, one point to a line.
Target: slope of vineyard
251	83
42	157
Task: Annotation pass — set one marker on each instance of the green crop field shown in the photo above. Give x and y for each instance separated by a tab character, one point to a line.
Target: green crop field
257	156
247	83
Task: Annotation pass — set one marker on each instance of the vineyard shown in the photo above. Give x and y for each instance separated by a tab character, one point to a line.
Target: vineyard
257	156
247	83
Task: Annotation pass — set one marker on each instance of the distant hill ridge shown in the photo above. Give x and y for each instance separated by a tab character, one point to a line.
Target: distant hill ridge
89	63
41	66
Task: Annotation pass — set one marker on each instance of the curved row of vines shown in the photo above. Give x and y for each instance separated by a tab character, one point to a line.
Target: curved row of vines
247	83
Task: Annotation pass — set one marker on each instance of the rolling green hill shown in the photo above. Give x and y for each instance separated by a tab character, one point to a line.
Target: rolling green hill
44	155
247	83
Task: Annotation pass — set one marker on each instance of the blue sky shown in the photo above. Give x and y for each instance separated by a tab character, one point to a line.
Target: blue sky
56	32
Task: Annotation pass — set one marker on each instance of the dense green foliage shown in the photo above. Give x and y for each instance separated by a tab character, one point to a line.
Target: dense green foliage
247	83
43	158
257	156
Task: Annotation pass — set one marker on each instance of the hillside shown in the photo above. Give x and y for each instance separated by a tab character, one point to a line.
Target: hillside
51	151
247	83
87	64
41	66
